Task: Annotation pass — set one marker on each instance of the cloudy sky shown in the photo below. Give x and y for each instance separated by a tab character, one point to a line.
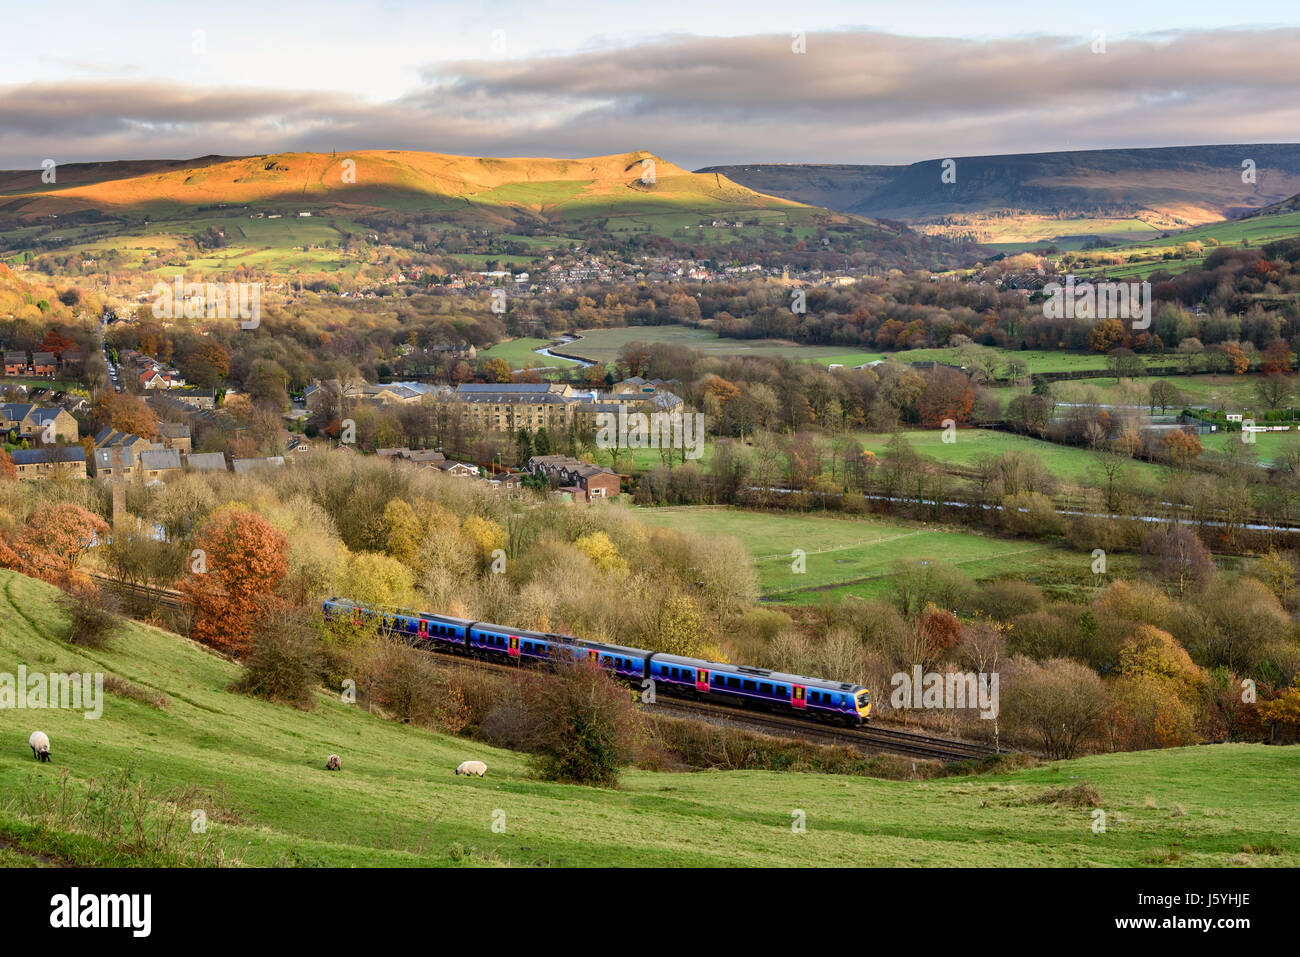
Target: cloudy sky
697	82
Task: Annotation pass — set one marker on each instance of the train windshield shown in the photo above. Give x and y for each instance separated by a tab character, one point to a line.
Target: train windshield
864	698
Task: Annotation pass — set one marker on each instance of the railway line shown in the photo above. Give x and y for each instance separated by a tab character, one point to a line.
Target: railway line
869	739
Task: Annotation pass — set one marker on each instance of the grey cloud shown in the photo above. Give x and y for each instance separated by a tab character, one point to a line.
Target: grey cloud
853	97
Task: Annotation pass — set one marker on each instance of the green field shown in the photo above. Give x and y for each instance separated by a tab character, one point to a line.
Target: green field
38	383
257	770
1022	233
1070	464
519	353
285	244
604	345
855	556
1231	393
1267	448
1259	230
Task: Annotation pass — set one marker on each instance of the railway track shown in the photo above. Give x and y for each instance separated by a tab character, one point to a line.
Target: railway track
164	597
868	739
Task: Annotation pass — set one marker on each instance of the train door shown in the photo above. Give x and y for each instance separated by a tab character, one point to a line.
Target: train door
799	697
513	649
702	680
424	629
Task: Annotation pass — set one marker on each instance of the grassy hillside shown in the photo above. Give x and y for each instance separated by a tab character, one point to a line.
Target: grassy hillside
1065	197
480	190
258	770
1255	231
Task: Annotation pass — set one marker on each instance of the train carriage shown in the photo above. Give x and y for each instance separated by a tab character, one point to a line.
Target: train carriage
815	698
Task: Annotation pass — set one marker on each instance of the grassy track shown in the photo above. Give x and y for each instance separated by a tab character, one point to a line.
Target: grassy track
397	803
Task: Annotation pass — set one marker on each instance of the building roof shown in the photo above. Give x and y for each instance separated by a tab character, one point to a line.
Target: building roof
424	455
471	388
158	459
516	398
244	466
174	430
66	453
107	438
206	461
104	458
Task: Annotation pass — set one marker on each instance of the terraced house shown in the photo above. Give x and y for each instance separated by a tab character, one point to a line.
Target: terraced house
45	463
511	406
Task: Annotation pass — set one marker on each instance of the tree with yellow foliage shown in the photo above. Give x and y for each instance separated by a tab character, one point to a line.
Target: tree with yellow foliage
1283	713
602	552
405	532
486	535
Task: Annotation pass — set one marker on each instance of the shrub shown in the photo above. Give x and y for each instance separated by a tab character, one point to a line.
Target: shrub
404	683
93	617
284	662
585	724
1080	795
125	689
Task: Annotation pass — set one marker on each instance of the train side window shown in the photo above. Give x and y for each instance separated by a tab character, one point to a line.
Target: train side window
717	680
765	688
750	685
733	682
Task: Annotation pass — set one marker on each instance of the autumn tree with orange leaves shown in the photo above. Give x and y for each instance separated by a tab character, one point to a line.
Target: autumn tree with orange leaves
239	560
125	413
52	544
948	395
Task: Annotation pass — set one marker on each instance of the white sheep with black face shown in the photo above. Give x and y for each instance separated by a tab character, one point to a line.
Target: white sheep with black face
472	767
40	744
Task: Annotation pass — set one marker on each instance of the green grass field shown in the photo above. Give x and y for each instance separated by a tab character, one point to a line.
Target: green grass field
1020	233
1267	448
855	556
604	345
38	383
1068	463
258	769
1259	230
285	244
519	353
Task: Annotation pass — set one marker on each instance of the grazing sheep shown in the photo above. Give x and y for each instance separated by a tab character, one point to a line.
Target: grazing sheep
40	745
472	767
333	763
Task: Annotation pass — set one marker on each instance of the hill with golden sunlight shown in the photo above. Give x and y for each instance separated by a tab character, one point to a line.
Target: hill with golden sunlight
459	188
